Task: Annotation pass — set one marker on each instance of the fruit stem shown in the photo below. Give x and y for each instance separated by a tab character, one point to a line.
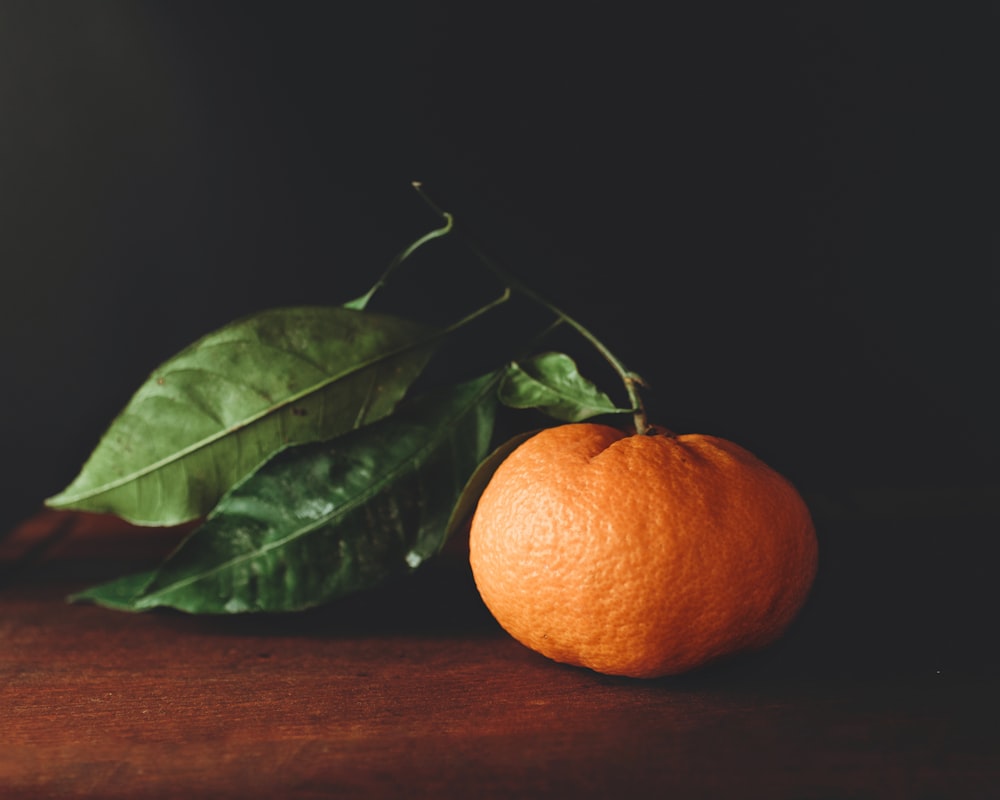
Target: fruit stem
630	379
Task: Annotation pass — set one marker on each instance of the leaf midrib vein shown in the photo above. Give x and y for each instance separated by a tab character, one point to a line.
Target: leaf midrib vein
207	441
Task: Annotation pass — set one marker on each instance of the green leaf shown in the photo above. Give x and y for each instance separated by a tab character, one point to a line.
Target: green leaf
217	410
551	383
326	519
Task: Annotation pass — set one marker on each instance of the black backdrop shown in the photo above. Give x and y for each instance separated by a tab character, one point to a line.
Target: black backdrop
780	216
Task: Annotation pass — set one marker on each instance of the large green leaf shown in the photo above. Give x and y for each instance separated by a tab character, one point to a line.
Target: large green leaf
326	519
551	383
213	413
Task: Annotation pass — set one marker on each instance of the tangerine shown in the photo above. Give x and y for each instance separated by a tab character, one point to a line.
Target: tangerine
640	555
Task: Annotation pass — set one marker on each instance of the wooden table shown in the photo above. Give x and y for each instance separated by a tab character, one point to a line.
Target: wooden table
414	691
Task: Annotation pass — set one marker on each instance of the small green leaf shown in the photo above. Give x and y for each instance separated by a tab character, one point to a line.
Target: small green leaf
213	413
326	519
551	383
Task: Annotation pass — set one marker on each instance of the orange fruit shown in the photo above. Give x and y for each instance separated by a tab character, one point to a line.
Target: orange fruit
640	555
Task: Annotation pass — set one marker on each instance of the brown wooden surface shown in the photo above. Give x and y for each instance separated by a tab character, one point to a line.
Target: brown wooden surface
414	692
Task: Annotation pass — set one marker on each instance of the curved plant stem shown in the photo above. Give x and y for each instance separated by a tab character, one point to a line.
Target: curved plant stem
361	302
461	323
630	379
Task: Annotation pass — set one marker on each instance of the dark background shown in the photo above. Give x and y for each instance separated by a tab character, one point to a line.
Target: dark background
781	215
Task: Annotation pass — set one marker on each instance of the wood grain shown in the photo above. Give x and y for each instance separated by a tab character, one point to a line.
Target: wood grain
413	691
